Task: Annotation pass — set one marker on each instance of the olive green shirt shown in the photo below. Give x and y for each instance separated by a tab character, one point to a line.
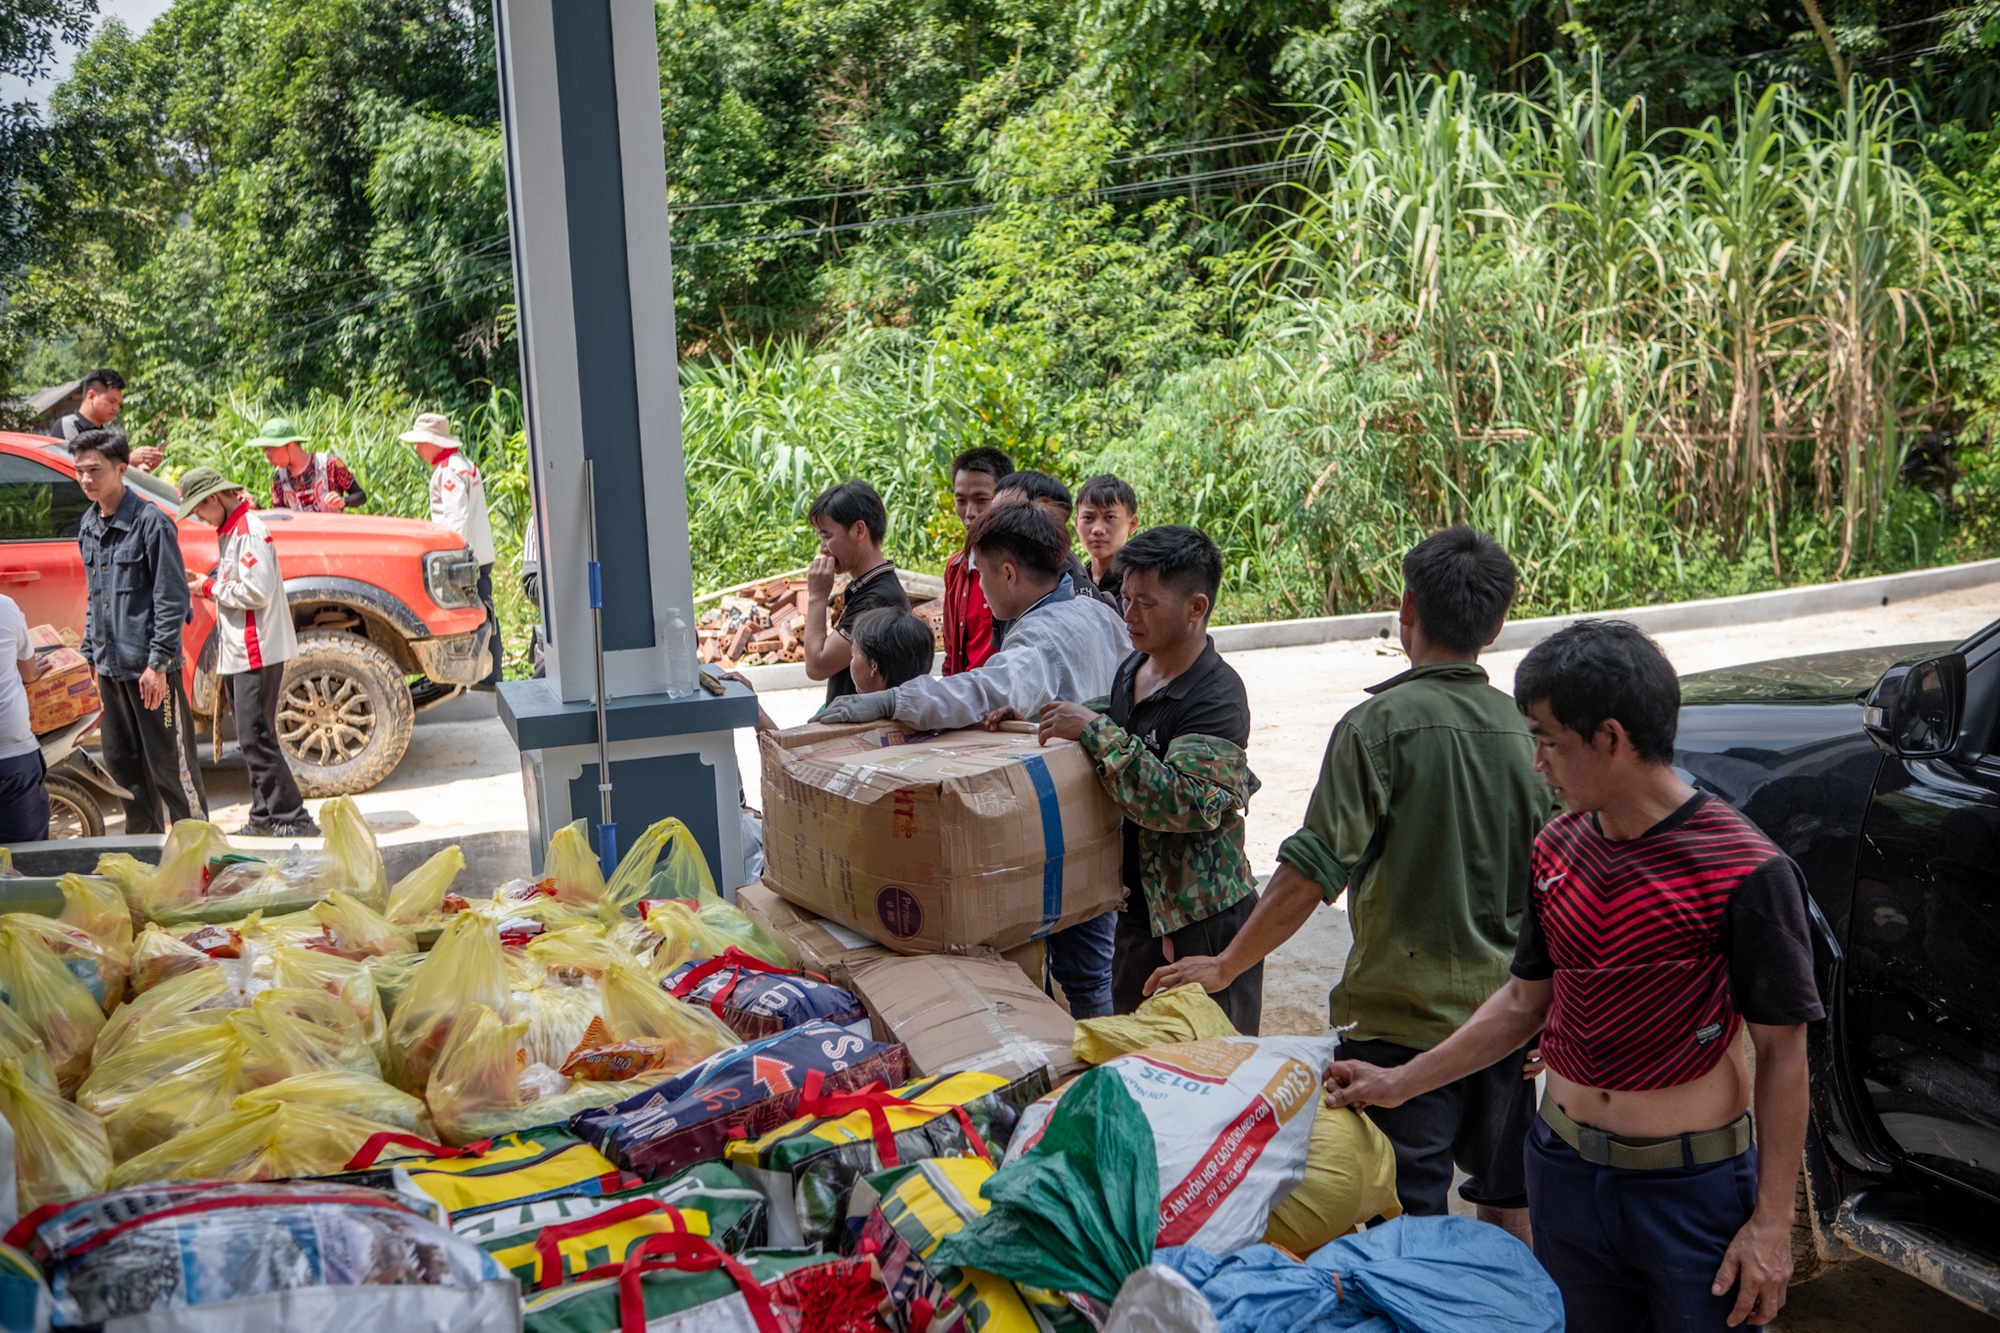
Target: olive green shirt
1427	807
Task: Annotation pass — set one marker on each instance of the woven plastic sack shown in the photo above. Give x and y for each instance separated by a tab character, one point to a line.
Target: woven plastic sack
666	862
808	1167
60	1151
19	1042
262	1141
512	1171
685	1284
483	1085
463	970
351	1094
96	906
572	868
356	930
1184	1013
417	899
295	1255
756	999
56	1007
158	956
709	1198
25	1303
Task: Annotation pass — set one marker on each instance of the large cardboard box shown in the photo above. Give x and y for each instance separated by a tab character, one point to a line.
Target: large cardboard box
966	1013
938	841
66	691
831	949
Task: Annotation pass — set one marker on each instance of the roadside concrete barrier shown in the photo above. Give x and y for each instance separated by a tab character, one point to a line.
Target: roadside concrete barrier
493	855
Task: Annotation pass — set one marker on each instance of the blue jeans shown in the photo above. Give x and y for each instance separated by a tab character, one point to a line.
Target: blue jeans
1635	1251
24	800
1080	961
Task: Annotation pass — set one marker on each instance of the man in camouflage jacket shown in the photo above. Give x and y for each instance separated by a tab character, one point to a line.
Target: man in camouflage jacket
1169	744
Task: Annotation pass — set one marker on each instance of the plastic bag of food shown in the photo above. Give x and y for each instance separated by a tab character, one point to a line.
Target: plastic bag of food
464	969
60	1151
133	878
418	897
96	906
297	1031
351	844
392	977
355	930
270	1140
297	1255
572	868
578	951
666	862
557	1017
349	980
643	1032
57	1007
174	1002
158	956
102	972
483	1084
702	928
351	1094
19	1042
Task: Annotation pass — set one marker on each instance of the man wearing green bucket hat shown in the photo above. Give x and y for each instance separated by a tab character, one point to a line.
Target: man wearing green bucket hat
254	639
315	482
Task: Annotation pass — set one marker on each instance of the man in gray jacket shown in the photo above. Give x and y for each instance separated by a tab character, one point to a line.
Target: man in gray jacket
137	604
1060	647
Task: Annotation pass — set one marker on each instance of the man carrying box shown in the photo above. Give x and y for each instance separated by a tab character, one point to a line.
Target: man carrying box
1169	745
24	798
1061	647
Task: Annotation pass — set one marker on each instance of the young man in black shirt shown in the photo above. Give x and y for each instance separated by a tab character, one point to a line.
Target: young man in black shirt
851	521
1170	748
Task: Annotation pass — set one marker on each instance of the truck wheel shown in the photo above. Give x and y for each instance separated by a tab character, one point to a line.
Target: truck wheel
344	717
73	811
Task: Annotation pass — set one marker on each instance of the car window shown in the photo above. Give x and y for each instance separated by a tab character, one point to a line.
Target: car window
37	503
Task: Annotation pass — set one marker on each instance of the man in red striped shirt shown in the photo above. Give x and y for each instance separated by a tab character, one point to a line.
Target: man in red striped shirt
1660	925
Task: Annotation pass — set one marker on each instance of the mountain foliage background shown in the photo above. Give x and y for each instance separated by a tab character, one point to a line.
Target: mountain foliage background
1665	294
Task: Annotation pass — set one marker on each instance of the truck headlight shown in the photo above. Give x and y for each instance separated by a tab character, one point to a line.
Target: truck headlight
452	577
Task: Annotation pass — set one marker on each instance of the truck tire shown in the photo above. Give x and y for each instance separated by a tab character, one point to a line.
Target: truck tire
73	811
344	716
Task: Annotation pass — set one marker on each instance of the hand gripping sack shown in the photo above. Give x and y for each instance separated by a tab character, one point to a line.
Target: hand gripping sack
757	999
742	1092
1186	1144
46	996
684	1284
60	1152
711	1202
809	1167
418	897
215	1258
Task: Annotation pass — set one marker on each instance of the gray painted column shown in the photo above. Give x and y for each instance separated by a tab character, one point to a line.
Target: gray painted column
586	180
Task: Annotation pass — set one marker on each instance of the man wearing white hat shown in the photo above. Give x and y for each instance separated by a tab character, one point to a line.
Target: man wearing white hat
458	502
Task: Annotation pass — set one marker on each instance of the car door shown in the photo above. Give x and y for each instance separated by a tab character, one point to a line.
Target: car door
1923	1006
41	567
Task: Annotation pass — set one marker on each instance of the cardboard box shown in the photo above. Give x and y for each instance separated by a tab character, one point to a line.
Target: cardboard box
48	636
66	691
938	841
830	949
970	1013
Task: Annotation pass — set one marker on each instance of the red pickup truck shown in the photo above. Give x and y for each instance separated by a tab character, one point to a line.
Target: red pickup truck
387	612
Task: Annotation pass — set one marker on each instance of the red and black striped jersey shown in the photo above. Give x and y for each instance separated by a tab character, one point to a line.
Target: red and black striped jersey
1661	945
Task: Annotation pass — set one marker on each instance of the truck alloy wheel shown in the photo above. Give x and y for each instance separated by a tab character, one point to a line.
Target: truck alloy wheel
344	716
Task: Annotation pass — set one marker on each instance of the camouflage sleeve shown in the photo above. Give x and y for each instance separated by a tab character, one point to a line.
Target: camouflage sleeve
1192	790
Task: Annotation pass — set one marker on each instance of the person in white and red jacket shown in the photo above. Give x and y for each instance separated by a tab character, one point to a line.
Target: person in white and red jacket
458	502
254	638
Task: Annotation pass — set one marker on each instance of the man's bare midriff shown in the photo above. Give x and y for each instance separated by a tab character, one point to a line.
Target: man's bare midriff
1717	1098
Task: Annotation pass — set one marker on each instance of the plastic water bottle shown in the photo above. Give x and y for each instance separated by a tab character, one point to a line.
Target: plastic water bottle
677	638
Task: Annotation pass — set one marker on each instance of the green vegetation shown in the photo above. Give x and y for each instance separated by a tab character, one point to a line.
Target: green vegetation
1663	299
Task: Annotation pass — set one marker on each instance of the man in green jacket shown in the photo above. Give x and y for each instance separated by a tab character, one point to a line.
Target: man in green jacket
1426	811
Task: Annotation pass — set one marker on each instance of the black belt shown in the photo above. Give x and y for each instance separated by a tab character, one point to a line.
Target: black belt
1641	1154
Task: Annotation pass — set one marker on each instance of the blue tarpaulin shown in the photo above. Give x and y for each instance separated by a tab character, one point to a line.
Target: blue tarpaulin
1411	1275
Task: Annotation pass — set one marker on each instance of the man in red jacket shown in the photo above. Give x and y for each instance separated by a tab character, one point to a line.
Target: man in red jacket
968	621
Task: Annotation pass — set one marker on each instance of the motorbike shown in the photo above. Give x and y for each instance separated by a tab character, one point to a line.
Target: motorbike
75	781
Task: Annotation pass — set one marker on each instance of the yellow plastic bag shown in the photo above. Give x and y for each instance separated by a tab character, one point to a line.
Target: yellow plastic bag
351	982
464	969
582	950
666	862
270	1141
358	867
202	998
1184	1013
705	928
19	1042
96	906
180	883
392	977
158	956
60	1152
101	971
557	1016
57	1007
351	1094
355	930
296	1031
418	897
573	868
636	1008
483	1085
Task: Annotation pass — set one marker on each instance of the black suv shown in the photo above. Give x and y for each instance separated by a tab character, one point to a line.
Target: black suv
1879	772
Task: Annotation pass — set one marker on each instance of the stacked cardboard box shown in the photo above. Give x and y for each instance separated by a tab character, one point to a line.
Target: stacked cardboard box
67	689
905	862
